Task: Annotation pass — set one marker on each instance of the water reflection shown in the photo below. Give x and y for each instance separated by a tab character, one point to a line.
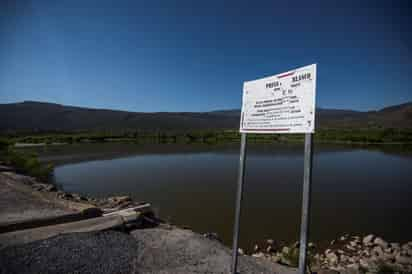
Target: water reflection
355	190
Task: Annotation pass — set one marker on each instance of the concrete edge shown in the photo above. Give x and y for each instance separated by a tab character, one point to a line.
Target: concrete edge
87	213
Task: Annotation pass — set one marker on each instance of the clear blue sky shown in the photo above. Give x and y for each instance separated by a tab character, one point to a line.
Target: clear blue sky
195	55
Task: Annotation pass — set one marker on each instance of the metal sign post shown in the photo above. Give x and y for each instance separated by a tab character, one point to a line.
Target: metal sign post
307	180
282	103
240	181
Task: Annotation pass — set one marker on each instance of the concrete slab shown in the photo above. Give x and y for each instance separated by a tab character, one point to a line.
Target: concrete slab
22	207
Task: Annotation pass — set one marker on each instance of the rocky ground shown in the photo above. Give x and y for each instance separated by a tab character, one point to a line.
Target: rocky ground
347	254
367	254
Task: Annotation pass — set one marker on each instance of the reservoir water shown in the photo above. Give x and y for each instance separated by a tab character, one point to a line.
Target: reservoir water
355	190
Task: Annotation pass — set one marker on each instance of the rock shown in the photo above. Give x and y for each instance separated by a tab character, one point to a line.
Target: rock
364	263
285	250
275	258
64	195
405	247
270	241
38	186
403	259
352	268
59	192
270	249
76	196
344	258
256	248
378	251
124	205
240	251
353	243
332	258
212	236
388	256
380	242
51	188
342	238
338	268
368	240
350	247
340	251
374	259
285	261
395	245
311	245
258	255
327	251
123	199
119	201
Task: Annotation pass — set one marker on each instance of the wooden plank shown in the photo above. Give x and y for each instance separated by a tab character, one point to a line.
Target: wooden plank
50	220
41	233
142	208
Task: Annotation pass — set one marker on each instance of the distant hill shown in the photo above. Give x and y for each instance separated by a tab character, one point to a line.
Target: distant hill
38	116
398	116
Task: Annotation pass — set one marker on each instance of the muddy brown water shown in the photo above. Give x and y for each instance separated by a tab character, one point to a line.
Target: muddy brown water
356	190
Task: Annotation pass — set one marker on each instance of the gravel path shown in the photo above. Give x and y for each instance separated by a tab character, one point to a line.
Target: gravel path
155	250
105	252
183	251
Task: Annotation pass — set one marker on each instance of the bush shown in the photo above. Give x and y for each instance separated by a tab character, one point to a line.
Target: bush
4	143
26	163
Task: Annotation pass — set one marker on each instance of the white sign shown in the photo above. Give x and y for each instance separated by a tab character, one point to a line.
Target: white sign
283	103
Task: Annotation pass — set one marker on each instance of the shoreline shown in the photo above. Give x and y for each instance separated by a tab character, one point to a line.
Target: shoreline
131	141
150	235
347	253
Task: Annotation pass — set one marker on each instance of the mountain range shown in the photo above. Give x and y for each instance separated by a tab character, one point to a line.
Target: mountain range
31	116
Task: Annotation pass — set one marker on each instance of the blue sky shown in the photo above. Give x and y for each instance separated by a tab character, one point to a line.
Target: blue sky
195	55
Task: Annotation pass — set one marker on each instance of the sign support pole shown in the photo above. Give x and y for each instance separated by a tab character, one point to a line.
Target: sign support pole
240	181
307	180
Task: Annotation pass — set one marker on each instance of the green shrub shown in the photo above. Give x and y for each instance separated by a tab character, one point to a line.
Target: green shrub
26	163
4	143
